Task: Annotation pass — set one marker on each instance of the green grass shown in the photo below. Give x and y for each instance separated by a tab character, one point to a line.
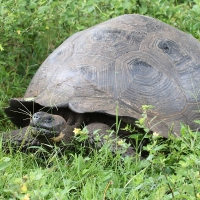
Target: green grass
171	171
30	31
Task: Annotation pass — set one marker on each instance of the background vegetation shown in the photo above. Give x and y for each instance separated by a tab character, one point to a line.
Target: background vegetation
30	30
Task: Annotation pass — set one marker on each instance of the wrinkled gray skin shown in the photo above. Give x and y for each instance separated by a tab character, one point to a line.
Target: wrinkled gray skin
45	128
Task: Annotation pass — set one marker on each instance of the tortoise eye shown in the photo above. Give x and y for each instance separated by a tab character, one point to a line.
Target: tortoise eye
48	119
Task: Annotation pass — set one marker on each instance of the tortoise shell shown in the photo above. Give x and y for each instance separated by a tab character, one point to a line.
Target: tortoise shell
120	65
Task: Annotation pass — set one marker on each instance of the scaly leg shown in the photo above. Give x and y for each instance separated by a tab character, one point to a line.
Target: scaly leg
99	135
21	139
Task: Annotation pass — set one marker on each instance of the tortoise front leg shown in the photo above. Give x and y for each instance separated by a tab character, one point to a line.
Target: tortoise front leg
20	139
99	135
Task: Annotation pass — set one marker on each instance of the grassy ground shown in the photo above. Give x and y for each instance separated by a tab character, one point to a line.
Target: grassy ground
101	175
30	31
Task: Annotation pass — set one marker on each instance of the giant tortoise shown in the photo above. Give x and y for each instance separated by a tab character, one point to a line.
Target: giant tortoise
114	67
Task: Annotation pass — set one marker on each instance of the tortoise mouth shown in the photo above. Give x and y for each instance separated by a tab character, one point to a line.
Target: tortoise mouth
43	132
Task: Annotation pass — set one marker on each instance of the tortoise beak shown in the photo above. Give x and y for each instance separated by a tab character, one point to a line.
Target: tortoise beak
37	131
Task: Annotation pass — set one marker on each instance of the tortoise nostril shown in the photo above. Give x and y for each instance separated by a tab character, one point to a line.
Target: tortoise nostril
41	117
35	116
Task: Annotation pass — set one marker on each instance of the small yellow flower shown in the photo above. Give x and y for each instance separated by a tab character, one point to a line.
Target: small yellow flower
18	32
26	197
198	195
120	142
47	27
106	137
155	135
76	131
23	188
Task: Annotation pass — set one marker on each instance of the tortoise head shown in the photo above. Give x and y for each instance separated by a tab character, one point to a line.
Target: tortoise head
48	128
